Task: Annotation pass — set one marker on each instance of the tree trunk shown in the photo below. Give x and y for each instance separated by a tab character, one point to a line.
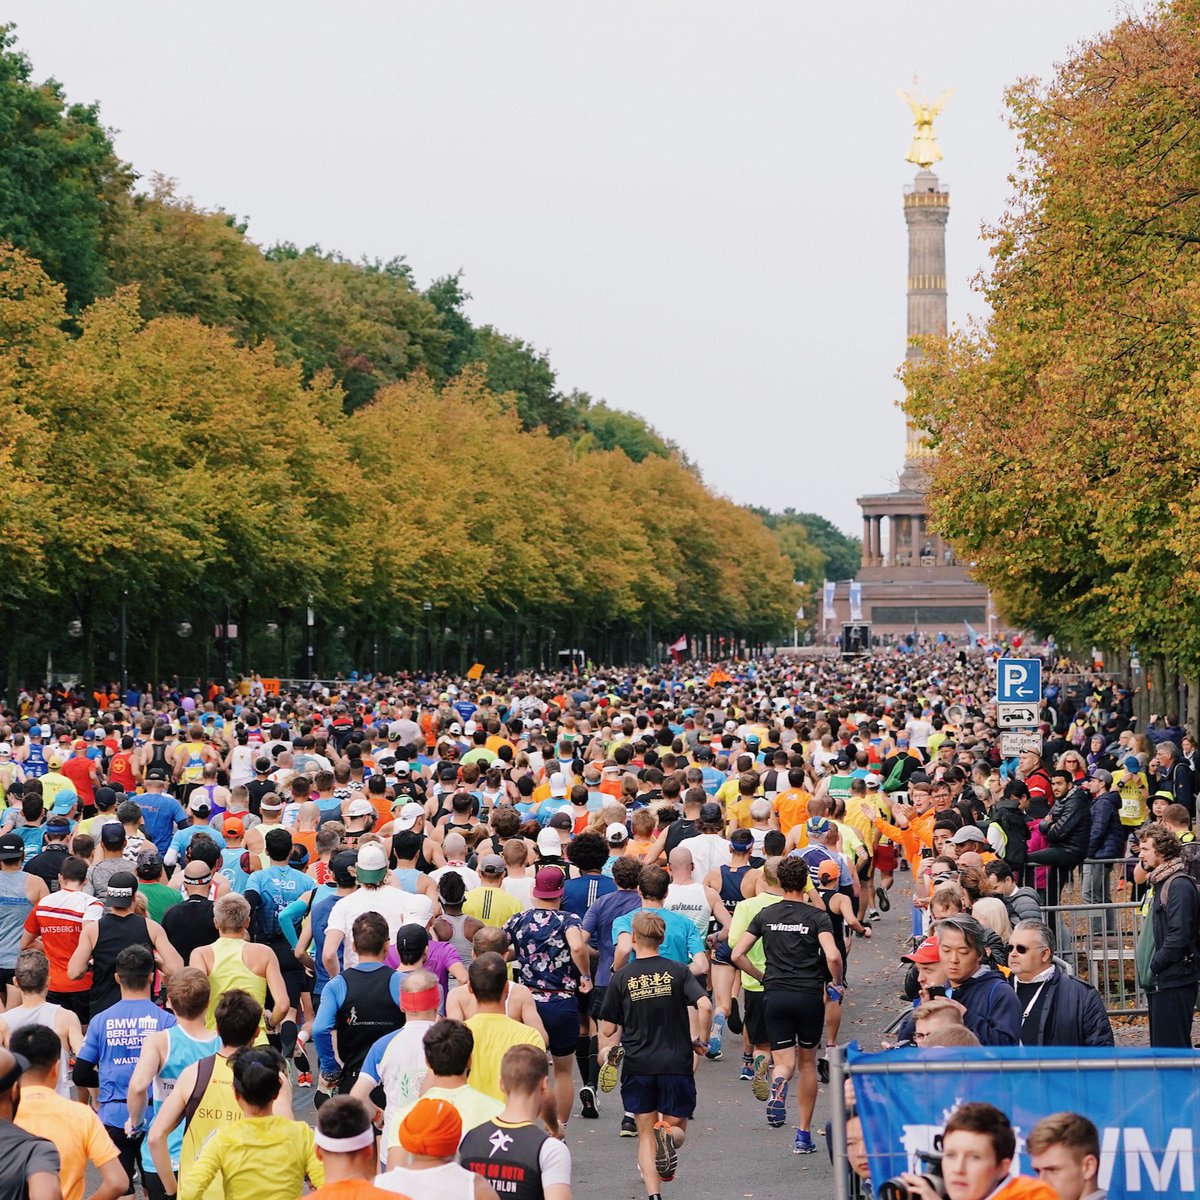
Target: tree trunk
154	647
244	636
87	649
13	657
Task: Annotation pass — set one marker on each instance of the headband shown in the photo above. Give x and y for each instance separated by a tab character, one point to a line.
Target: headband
346	1145
426	1001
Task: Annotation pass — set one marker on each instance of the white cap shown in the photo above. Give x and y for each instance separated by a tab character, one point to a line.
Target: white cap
872	780
558	784
549	844
616	833
455	727
409	815
5	748
730	726
359	808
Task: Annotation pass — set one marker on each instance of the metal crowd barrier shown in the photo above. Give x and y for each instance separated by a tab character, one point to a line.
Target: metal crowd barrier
1099	943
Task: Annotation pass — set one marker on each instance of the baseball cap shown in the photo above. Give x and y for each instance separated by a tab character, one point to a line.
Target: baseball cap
828	872
491	864
412	937
79	744
234	826
741	839
11	848
157	773
558	784
549	844
359	808
112	833
816	826
968	833
408	816
926	952
560	820
616	834
1103	776
64	801
710	812
5	748
1132	763
149	864
400	767
121	887
548	883
198	804
339	867
872	780
371	864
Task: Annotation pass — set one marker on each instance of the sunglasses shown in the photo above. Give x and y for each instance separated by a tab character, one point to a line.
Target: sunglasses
1017	948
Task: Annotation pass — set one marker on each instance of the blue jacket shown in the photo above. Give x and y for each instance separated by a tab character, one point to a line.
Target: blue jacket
1108	836
993	1011
1072	1014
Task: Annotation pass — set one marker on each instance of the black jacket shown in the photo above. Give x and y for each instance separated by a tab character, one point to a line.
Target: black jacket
1108	836
993	1012
1015	827
1175	912
1071	828
1072	1014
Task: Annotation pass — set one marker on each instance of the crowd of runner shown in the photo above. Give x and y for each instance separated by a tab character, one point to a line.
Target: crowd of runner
467	912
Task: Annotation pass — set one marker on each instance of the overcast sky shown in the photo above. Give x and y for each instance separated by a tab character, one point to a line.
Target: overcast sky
694	206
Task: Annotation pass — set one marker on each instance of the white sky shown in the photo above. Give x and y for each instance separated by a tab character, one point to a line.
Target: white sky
693	205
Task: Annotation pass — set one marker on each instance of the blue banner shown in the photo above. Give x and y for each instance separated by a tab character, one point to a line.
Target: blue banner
1145	1103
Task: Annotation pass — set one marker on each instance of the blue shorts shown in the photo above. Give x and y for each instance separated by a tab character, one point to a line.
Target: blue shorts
671	1095
561	1019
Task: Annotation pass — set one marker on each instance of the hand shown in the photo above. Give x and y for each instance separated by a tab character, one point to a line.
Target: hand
835	992
699	1045
132	1130
585	984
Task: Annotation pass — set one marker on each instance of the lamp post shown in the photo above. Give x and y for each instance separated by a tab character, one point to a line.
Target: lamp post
309	627
124	645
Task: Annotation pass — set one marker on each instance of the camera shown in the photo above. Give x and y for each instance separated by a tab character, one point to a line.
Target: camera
930	1168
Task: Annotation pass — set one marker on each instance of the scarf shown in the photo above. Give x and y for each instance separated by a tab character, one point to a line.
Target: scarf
1159	876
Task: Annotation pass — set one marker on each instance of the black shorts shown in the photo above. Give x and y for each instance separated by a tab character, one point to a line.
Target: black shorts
7	975
129	1149
867	869
671	1095
794	1018
295	978
76	1002
754	1018
596	996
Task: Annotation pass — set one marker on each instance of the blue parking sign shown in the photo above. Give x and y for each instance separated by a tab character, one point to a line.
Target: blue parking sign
1018	679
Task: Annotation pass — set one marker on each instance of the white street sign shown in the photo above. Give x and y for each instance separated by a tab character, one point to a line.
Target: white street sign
1012	744
1017	716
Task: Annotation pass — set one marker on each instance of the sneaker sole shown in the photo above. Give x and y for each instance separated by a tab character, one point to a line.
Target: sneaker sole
777	1108
587	1104
810	1149
628	1132
611	1071
760	1085
666	1157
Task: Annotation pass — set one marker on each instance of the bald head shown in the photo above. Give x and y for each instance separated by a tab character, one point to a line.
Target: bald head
454	846
681	863
197	875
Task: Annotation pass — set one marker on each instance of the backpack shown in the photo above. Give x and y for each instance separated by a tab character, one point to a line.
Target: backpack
895	780
1191	859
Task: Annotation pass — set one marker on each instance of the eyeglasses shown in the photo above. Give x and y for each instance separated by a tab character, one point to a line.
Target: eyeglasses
1017	948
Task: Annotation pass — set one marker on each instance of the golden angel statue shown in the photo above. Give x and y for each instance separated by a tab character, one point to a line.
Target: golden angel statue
925	151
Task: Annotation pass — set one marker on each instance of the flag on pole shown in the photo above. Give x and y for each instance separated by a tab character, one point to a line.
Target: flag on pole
829	590
678	647
855	600
972	636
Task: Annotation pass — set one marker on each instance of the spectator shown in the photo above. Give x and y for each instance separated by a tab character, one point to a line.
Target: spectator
990	1007
1023	903
978	1146
1008	827
1167	966
1172	774
1106	841
1064	1150
1057	1010
935	1015
1066	828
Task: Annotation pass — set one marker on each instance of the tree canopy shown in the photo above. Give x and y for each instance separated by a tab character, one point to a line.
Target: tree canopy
1065	424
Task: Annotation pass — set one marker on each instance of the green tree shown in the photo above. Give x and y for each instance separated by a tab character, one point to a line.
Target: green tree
191	263
60	180
608	428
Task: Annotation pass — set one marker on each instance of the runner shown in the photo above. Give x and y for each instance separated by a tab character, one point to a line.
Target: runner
645	1025
801	954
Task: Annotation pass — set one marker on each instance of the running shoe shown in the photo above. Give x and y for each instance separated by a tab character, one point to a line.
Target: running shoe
304	1079
884	902
823	1069
611	1071
666	1156
761	1087
628	1126
777	1104
873	914
716	1037
587	1101
747	1067
804	1143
